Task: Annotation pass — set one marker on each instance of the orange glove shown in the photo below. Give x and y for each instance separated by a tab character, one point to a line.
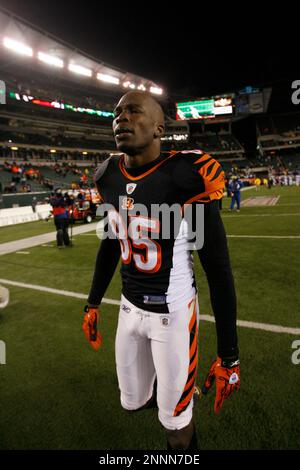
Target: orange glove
227	376
90	327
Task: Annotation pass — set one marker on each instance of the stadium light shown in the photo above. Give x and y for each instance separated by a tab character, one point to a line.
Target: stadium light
80	70
141	87
17	46
52	151
84	153
50	60
14	148
108	78
155	90
128	84
27	98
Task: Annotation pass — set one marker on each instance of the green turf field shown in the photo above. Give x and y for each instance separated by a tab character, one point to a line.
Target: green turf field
57	393
29	229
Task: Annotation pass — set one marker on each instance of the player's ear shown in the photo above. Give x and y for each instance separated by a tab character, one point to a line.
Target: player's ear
159	131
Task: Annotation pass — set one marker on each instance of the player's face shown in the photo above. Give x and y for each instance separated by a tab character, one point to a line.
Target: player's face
134	125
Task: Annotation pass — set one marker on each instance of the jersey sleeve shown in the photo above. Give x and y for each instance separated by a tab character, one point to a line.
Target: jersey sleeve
199	177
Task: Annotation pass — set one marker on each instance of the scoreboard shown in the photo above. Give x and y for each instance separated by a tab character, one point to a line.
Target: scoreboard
195	110
204	109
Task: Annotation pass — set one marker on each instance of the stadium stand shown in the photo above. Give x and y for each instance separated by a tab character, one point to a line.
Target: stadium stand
60	127
38	117
278	138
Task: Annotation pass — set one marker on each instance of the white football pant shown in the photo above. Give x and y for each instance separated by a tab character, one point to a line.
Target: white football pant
164	346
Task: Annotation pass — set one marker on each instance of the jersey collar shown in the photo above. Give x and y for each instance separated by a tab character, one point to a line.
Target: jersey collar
151	170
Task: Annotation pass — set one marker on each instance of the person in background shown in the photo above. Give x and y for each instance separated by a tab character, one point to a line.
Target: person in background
235	190
34	203
257	183
61	218
270	182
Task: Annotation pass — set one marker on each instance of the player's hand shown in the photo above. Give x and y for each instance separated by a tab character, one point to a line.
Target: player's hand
226	373
90	321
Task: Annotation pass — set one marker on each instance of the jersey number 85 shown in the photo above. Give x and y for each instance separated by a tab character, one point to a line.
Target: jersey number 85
136	236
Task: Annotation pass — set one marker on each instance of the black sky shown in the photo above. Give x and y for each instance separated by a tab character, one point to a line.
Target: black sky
185	49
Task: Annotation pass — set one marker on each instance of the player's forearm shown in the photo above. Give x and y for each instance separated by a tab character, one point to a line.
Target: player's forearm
106	263
223	301
215	260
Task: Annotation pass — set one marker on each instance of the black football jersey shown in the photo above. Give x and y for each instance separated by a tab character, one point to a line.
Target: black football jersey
157	270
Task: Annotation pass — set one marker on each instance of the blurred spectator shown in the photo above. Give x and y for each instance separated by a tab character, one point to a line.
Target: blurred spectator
34	203
235	189
61	218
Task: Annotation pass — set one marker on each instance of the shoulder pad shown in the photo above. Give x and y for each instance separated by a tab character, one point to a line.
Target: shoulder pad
101	169
201	174
194	156
202	162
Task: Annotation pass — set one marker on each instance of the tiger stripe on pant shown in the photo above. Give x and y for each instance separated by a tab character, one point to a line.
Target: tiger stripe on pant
190	384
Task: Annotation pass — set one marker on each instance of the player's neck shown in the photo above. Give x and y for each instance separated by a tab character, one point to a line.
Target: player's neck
134	161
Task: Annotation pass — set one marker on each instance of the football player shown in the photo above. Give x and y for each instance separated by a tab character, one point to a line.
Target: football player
157	334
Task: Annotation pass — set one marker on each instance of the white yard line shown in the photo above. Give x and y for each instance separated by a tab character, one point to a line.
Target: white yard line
259	326
260	215
50	290
17	245
289	204
265	236
210	318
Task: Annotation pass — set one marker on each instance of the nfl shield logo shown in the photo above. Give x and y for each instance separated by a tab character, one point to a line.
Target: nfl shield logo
165	321
130	187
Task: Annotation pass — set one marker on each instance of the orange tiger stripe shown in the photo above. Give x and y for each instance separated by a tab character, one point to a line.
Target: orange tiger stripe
193	364
204	168
193	319
204	157
189	385
192	379
216	184
184	402
193	346
188	382
206	163
213	187
213	171
219	172
193	352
